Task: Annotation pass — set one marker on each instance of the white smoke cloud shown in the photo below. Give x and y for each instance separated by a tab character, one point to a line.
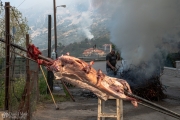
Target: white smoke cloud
143	30
138	26
86	22
77	12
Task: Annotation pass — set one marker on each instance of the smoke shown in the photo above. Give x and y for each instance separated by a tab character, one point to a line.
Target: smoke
86	22
143	30
82	8
138	26
73	22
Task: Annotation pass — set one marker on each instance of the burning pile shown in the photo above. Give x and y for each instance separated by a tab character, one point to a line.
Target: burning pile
151	91
144	83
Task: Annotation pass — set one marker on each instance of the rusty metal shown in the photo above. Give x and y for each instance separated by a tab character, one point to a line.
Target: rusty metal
22	55
7	30
159	110
41	57
21	48
26	92
24	103
28	80
152	104
30	85
23	99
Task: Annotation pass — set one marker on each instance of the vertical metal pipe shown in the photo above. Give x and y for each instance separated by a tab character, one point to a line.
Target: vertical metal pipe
50	75
28	80
49	36
7	30
55	32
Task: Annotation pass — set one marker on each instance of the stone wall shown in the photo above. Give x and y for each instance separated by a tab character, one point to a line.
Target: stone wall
175	72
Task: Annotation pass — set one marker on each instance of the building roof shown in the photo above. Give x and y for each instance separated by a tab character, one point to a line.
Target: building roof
92	50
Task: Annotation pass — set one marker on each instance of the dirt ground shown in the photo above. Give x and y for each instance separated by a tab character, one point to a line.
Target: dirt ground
86	108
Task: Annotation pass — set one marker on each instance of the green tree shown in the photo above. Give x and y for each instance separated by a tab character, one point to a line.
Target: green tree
18	24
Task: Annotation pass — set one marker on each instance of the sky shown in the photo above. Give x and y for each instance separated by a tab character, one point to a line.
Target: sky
21	4
30	3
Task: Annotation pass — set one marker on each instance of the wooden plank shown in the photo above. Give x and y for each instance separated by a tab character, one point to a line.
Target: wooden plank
99	109
119	109
108	115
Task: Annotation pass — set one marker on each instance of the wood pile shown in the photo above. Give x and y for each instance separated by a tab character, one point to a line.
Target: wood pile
143	84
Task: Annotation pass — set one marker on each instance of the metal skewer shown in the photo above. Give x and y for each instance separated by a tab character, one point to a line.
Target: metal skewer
21	48
153	104
159	110
41	57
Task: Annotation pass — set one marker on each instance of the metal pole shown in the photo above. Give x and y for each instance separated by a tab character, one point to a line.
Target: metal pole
55	36
55	32
21	48
28	80
7	30
152	104
49	36
50	75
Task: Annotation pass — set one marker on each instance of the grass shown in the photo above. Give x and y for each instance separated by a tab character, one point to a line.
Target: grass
44	97
2	94
15	92
17	88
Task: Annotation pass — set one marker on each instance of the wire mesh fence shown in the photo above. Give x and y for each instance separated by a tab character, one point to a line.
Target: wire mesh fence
23	94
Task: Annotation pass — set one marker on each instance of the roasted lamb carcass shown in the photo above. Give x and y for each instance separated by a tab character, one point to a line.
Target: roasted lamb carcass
80	73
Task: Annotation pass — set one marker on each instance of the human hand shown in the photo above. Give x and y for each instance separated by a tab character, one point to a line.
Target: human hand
113	68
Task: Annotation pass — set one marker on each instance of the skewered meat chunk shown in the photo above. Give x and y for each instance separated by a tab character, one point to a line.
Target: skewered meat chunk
82	74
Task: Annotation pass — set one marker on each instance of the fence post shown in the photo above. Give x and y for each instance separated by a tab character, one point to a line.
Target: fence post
7	32
28	80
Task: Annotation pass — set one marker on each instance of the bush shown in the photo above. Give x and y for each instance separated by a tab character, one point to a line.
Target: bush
44	97
2	94
17	88
15	92
42	85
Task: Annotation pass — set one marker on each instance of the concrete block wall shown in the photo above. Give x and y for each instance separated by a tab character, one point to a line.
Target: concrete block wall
178	64
175	72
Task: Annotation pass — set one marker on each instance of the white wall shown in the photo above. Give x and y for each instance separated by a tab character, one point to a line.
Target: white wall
175	72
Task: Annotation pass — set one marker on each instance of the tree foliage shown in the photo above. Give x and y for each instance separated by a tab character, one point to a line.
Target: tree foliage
77	48
18	27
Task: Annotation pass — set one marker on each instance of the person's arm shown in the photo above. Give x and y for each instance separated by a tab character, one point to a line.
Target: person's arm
109	64
112	67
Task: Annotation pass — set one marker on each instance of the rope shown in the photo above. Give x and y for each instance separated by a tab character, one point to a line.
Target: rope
49	88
